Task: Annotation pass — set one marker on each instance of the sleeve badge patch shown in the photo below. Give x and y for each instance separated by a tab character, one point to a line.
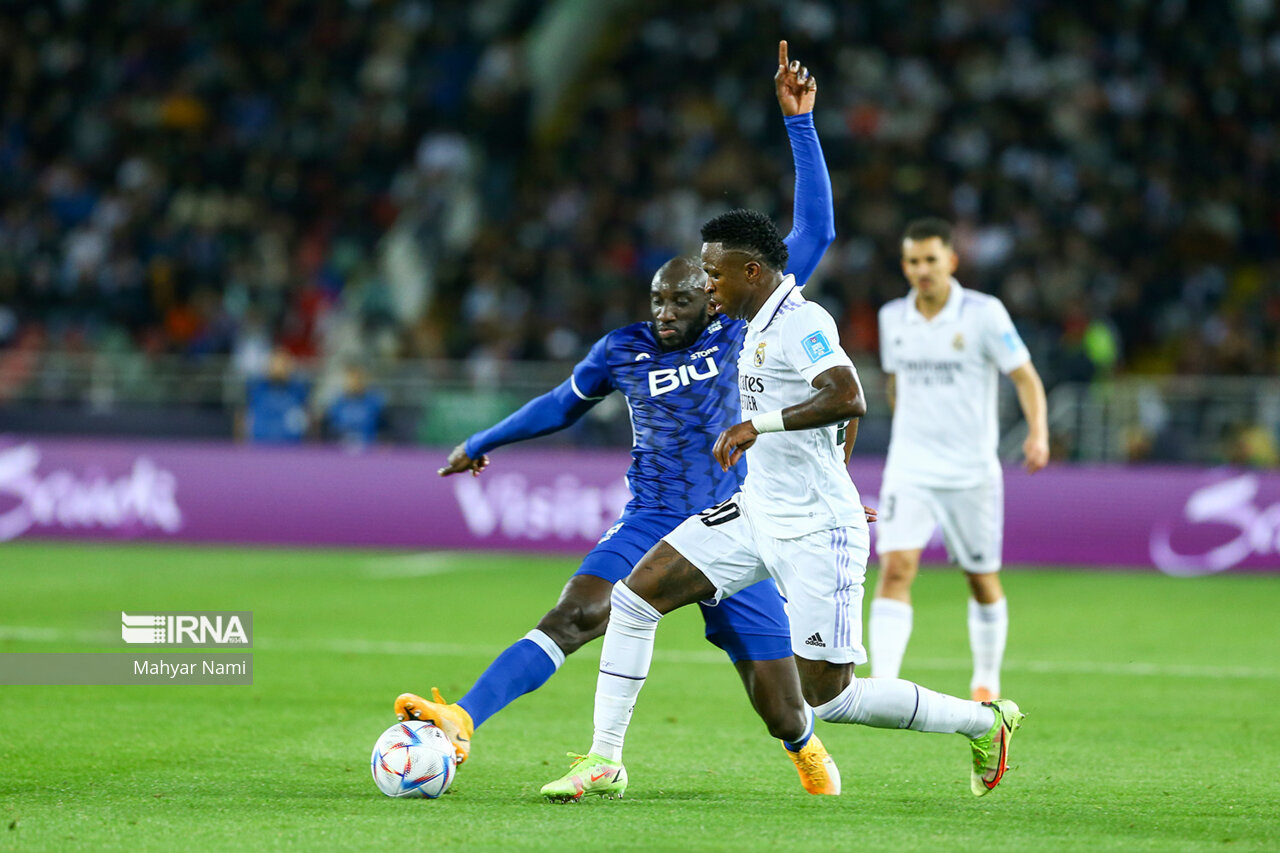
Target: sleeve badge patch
1012	341
816	346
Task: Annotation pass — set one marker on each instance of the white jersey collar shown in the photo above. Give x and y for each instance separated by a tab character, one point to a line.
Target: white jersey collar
950	311
771	305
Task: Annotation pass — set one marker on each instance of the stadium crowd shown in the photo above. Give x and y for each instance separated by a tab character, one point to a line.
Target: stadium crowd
352	178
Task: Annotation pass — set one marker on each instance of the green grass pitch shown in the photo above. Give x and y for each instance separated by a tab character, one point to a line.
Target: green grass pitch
1153	717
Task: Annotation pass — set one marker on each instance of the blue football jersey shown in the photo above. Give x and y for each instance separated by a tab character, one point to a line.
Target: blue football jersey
355	418
277	410
680	402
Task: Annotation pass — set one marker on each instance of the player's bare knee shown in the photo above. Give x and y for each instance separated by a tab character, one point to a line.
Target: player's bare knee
897	571
667	581
573	624
822	681
985	587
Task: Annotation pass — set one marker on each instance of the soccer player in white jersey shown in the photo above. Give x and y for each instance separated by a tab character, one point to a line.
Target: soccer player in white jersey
943	349
797	519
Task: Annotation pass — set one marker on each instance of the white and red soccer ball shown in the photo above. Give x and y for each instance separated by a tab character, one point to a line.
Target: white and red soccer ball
413	759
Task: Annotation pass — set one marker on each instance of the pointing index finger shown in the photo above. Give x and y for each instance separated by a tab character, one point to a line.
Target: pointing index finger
782	54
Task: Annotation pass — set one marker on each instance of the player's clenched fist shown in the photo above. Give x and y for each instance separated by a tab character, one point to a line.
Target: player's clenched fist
1036	451
732	442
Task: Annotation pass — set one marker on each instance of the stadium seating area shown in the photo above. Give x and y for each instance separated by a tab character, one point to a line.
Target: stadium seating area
366	178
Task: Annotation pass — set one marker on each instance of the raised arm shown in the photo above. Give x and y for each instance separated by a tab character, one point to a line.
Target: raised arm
814	219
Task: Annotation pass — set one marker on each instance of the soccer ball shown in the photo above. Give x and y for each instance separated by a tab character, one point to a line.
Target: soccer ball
413	759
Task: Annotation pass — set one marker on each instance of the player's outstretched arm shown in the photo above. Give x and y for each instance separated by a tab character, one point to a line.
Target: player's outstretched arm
549	413
1035	409
813	226
838	397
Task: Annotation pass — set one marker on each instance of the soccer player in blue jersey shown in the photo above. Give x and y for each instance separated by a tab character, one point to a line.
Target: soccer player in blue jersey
679	376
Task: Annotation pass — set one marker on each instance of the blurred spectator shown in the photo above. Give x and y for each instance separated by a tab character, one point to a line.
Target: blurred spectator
1251	446
276	404
358	415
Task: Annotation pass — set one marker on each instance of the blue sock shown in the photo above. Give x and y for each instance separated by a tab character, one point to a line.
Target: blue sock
522	668
798	745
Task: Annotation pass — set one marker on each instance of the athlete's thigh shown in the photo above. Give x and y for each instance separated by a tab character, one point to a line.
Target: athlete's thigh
720	543
973	524
906	518
821	576
623	544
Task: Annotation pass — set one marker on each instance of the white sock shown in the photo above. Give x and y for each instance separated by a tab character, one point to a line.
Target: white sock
888	631
548	646
624	665
891	703
988	631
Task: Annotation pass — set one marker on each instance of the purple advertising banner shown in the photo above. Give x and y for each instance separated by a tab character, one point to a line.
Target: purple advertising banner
1184	521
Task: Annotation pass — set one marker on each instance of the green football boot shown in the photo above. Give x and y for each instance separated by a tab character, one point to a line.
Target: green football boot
589	775
991	751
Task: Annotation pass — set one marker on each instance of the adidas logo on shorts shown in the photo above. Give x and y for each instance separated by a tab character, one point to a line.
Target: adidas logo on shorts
815	640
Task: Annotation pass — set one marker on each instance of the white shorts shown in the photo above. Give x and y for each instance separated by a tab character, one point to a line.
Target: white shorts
972	522
820	575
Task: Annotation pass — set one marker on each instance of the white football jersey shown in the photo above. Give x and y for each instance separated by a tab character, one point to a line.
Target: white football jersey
946	375
796	481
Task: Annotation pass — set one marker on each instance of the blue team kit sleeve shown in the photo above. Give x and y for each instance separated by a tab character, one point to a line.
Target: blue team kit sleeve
552	411
592	378
814	220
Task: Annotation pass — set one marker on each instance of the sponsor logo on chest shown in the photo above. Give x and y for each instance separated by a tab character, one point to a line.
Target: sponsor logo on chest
749	386
670	378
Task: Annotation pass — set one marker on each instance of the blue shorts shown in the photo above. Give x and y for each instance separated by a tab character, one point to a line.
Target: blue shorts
749	625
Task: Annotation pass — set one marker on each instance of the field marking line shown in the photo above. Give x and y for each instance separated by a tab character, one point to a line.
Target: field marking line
421	565
1131	669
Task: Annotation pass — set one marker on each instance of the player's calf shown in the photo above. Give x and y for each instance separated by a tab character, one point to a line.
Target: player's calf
571	625
580	615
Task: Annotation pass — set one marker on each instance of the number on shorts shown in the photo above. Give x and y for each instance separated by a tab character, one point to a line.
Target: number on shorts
889	501
842	432
720	513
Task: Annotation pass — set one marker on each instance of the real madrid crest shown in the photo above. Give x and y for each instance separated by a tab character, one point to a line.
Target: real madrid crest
958	341
759	357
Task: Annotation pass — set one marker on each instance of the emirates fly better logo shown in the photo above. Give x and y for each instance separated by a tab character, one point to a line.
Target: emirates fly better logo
189	628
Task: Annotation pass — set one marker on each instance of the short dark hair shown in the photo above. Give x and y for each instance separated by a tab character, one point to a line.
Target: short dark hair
929	226
748	231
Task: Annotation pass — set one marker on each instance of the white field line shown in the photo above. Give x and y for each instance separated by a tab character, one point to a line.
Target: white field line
416	565
1131	669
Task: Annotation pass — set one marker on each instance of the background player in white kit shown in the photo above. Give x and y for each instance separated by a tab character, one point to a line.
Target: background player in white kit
797	518
943	348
